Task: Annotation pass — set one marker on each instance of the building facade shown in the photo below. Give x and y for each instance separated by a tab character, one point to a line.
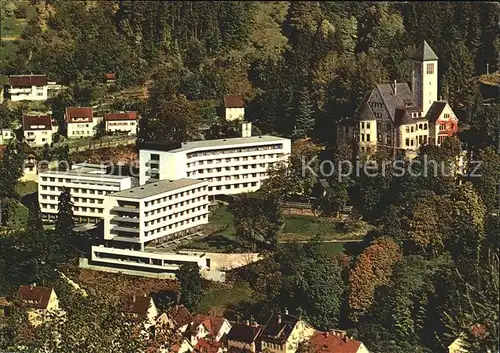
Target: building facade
234	108
88	185
80	122
399	119
38	130
28	88
125	122
6	135
157	212
230	166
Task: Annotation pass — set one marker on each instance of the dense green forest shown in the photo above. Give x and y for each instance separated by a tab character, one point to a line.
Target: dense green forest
301	66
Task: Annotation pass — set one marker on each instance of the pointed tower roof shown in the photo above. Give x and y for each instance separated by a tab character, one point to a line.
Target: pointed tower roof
424	53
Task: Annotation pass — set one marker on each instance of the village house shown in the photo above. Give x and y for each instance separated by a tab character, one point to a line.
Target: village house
335	341
6	135
110	78
30	169
41	302
208	327
38	130
401	119
283	333
140	308
80	122
125	122
28	88
177	317
244	338
235	108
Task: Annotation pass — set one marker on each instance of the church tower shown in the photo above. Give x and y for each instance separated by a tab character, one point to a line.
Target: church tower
424	77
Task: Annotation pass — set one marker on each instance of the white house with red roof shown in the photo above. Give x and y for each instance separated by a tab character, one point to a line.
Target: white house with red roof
335	341
80	122
208	327
141	308
38	130
28	88
125	122
39	301
235	107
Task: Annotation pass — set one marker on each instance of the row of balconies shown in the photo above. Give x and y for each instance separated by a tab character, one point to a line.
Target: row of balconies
233	162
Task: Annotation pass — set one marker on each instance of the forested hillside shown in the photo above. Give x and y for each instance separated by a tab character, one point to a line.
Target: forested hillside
300	66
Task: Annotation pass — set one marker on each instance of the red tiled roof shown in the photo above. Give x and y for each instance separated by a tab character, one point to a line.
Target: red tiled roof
37	122
204	346
211	322
137	305
479	330
329	342
110	76
180	315
74	113
34	297
27	80
121	116
233	102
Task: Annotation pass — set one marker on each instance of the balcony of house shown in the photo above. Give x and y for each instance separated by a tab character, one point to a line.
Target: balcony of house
153	163
153	173
20	90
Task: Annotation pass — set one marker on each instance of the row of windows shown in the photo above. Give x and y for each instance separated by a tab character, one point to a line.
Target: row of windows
228	169
74	199
45	206
31	133
81	132
121	123
235	150
367	138
175	215
176	196
416	128
232	186
235	159
175	206
175	225
411	142
61	180
236	177
75	190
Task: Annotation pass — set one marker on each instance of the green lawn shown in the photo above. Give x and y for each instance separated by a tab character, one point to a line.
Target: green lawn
296	228
302	228
26	187
226	296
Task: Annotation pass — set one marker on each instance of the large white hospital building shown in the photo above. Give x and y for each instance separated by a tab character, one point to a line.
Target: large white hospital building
88	185
149	215
231	166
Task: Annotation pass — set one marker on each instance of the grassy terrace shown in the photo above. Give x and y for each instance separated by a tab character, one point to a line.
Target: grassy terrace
296	229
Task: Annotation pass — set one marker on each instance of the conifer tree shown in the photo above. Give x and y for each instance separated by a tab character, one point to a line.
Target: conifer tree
64	227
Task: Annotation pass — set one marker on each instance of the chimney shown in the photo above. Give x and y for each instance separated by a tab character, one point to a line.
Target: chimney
286	311
133	299
278	317
395	88
345	339
326	333
247	322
